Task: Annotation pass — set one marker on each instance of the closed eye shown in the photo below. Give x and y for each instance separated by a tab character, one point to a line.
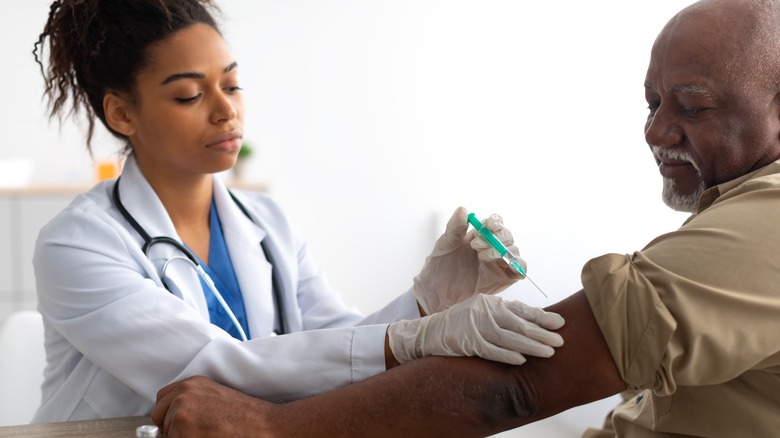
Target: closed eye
653	107
692	111
188	99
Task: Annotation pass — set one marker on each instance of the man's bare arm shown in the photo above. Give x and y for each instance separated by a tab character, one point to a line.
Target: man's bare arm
433	396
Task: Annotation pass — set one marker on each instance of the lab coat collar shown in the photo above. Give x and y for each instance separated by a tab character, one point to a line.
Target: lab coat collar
235	223
141	201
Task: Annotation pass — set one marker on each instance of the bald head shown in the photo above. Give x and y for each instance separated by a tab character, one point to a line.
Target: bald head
743	37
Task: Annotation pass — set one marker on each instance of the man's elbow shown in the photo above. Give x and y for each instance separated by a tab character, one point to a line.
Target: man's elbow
510	400
488	396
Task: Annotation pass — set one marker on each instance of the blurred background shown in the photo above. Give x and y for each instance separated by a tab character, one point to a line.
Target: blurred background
372	120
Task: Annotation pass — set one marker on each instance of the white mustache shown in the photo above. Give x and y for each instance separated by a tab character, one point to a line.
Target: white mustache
673	154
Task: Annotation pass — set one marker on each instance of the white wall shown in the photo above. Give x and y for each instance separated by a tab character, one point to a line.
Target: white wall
374	119
377	118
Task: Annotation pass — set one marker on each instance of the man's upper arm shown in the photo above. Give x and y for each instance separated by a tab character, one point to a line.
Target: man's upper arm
581	371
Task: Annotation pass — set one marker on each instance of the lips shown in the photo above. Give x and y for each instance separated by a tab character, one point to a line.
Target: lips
671	168
230	140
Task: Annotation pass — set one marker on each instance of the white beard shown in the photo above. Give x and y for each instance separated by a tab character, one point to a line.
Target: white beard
677	201
670	194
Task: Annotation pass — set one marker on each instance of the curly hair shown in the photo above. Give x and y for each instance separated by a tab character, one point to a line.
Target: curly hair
96	46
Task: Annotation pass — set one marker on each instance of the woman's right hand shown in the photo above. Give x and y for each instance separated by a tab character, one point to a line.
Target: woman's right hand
483	325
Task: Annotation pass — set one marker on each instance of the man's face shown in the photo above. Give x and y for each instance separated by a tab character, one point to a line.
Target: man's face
705	126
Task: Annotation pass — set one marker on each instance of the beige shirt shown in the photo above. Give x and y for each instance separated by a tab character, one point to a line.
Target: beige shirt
693	320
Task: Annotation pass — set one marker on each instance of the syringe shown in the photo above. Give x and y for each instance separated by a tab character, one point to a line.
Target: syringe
505	253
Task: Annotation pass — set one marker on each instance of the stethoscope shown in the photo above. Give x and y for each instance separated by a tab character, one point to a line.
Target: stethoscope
190	258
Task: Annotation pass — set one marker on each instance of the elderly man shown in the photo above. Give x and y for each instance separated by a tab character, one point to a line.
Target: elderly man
686	327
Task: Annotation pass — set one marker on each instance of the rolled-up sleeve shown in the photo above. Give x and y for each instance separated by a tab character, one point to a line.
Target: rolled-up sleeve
633	319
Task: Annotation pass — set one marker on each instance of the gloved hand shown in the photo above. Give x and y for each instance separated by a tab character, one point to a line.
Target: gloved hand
484	325
463	264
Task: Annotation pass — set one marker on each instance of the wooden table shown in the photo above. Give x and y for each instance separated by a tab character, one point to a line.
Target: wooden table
111	428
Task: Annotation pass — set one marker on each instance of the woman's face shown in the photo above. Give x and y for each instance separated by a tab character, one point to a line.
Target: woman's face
187	116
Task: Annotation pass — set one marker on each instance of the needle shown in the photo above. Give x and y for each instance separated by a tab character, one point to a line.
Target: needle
505	253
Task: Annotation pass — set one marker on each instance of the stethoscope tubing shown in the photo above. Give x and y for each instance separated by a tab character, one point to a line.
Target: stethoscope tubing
212	287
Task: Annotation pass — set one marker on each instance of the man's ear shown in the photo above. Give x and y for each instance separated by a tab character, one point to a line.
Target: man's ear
116	109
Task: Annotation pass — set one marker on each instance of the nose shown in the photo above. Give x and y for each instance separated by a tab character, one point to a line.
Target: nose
662	128
224	108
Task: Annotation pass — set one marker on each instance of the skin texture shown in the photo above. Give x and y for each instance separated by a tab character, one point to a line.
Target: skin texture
712	90
185	122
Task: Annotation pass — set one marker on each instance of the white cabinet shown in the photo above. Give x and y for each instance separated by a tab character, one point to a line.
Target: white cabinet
22	214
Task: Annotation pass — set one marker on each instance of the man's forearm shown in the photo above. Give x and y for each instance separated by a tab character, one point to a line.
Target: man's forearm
430	397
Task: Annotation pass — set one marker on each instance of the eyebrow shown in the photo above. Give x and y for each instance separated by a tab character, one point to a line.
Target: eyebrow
689	89
194	75
693	90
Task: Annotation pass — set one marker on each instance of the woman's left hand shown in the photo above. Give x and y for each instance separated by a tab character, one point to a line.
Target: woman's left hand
463	264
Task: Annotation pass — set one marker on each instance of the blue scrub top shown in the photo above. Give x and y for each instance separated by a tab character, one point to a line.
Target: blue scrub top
221	271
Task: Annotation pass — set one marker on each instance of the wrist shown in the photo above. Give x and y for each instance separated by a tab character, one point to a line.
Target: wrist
403	340
390	360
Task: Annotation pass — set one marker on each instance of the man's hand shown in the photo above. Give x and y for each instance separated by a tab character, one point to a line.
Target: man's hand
463	264
199	407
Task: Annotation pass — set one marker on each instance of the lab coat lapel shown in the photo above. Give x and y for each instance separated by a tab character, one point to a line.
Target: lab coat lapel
252	270
142	203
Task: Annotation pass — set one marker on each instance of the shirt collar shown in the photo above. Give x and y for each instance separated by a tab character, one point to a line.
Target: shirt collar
713	193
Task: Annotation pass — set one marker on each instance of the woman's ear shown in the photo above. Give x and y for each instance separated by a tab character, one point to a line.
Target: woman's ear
116	109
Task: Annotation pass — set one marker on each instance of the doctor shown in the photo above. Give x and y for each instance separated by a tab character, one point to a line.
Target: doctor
164	273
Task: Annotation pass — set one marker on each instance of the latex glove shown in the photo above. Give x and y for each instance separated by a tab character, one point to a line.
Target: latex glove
463	264
484	326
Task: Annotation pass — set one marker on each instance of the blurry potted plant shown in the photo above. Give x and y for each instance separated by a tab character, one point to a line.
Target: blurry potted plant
243	155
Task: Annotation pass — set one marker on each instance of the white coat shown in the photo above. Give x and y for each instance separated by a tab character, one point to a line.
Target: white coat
114	335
